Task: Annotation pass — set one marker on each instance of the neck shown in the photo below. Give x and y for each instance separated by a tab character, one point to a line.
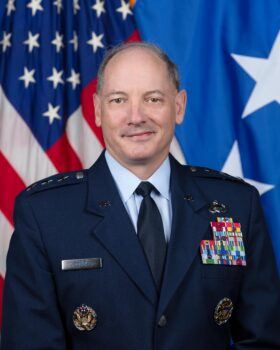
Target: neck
143	172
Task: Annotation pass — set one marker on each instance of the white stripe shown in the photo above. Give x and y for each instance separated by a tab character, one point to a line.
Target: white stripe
82	139
176	151
19	145
6	231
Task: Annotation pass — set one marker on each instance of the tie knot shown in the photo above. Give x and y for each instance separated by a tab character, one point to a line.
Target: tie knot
144	189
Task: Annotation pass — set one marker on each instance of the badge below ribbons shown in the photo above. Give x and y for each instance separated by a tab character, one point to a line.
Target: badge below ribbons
227	248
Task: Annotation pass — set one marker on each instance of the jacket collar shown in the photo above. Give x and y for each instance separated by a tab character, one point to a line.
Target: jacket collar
189	224
114	230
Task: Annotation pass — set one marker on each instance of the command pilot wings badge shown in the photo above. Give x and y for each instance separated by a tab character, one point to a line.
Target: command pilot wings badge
227	247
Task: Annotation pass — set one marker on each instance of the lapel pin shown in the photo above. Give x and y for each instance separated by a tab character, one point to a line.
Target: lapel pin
217	208
189	198
104	204
84	318
223	311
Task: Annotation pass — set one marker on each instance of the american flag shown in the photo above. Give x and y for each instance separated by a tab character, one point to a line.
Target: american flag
50	51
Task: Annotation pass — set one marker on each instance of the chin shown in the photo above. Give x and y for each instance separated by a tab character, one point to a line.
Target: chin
139	157
144	155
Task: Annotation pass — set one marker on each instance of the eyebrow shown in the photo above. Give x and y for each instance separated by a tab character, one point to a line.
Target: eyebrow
115	93
154	92
125	94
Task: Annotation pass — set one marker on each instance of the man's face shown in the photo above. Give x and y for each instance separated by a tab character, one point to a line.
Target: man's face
138	107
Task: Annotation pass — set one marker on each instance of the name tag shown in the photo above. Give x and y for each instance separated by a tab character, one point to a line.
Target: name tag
81	264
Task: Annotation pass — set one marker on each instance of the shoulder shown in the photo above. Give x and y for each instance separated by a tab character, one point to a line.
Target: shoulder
217	182
219	185
200	173
55	182
207	173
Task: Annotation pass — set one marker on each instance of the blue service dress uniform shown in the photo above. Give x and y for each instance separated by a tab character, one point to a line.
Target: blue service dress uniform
77	277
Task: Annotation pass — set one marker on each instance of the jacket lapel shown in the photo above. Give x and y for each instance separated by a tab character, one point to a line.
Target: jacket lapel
190	221
114	230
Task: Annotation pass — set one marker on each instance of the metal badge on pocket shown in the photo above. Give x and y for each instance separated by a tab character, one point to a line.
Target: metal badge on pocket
223	311
84	318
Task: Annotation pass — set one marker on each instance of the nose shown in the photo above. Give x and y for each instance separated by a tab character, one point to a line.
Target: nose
136	114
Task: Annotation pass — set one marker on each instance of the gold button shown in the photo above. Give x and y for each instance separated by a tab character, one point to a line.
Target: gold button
84	318
223	311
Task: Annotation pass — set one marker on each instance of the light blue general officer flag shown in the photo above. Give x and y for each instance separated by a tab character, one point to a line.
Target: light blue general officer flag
228	52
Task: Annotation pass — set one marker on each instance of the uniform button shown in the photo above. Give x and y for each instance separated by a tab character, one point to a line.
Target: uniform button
162	321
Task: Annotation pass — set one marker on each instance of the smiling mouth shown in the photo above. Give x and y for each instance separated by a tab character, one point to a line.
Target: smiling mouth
138	134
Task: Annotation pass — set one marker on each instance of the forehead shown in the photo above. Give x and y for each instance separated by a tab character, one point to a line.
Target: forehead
139	66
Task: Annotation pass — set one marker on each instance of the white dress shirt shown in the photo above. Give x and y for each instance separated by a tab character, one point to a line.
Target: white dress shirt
127	183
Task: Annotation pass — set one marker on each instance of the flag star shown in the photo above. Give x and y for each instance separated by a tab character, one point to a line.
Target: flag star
99	7
52	113
56	78
32	41
266	73
124	9
76	6
10	6
57	42
233	166
58	4
95	41
74	79
28	77
74	41
6	41
35	5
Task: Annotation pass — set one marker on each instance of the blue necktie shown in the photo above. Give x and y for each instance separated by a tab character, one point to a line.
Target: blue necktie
150	232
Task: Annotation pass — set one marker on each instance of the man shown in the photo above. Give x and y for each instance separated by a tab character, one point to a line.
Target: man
140	252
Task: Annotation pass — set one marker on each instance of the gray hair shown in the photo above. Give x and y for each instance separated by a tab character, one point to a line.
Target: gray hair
171	66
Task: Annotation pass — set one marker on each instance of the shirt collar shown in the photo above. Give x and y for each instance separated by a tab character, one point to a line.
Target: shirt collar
127	182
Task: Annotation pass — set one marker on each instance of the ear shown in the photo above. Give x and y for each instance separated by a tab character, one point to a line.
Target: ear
97	109
180	105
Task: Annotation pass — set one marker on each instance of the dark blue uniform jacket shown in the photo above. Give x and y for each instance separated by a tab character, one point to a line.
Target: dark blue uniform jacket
80	215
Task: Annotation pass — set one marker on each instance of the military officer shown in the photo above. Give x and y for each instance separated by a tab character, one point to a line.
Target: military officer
140	252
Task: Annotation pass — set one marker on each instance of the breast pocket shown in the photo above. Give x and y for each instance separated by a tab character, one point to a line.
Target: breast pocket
225	272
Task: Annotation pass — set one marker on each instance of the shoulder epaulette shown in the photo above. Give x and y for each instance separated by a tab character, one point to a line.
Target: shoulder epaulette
211	173
57	180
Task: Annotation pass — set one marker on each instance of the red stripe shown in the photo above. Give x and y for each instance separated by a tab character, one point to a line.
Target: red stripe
10	185
88	109
1	298
63	155
87	98
135	36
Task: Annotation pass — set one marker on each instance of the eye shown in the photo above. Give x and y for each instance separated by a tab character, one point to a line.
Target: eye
154	99
117	100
